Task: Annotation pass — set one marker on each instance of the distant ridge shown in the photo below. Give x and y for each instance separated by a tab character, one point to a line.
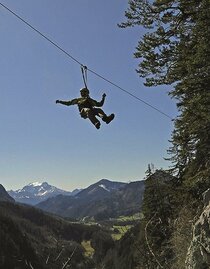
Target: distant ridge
100	189
4	196
102	200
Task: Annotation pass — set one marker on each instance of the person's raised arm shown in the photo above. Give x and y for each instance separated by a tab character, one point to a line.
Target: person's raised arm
67	103
99	104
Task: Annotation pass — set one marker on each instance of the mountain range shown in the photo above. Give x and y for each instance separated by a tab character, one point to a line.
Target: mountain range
37	192
103	200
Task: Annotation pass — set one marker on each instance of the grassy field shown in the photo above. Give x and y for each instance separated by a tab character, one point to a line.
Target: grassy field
89	251
117	227
121	225
135	217
119	231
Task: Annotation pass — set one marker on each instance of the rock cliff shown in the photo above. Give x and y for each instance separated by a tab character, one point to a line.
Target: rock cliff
198	256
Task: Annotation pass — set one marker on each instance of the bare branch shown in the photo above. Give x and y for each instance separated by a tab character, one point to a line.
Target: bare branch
147	241
69	259
59	255
47	259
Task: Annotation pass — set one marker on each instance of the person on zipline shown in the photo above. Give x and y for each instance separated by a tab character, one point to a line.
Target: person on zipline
88	107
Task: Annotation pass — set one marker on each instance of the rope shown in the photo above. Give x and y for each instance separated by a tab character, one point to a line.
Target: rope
84	74
78	62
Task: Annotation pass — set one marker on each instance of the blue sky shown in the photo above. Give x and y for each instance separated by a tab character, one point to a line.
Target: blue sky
42	141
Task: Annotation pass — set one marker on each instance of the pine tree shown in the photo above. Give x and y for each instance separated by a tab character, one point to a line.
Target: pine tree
191	137
148	171
176	51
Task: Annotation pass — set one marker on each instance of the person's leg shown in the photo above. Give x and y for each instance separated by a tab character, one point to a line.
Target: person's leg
99	112
91	115
104	117
109	118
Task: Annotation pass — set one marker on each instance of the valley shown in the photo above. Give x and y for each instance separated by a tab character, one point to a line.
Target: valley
39	238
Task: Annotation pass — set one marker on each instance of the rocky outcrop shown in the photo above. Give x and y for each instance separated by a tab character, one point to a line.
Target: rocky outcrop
198	256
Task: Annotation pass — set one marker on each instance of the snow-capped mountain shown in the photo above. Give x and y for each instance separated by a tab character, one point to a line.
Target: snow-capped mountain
101	200
37	192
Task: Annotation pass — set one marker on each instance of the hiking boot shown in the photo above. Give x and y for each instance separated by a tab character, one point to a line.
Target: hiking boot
97	125
109	118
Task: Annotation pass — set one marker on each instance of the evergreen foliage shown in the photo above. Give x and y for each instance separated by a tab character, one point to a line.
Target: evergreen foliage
16	250
149	243
29	237
128	253
158	209
176	51
102	242
169	210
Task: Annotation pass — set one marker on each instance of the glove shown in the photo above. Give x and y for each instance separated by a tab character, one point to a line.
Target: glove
57	101
104	95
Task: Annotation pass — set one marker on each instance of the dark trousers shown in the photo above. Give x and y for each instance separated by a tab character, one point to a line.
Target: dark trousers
91	114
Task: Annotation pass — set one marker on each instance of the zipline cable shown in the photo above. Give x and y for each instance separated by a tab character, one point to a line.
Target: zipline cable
44	36
131	94
78	62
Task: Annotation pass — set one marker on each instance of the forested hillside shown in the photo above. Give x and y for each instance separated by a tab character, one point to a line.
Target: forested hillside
176	51
32	239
